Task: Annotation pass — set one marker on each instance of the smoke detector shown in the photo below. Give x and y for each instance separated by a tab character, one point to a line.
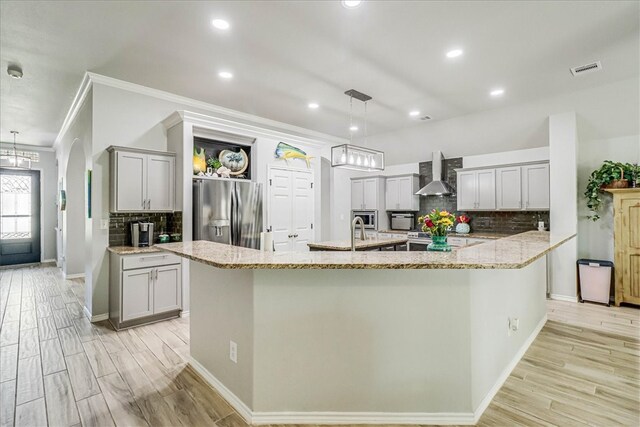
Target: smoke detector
587	68
14	71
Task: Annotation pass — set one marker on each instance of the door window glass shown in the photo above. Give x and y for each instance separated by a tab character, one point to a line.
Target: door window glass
15	206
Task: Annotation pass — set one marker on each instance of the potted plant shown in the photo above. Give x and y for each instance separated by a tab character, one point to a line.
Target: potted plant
609	175
438	223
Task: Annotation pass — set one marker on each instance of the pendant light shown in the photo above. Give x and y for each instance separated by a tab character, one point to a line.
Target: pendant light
13	159
349	156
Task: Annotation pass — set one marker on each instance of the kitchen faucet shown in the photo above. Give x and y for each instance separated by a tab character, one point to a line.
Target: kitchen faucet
353	237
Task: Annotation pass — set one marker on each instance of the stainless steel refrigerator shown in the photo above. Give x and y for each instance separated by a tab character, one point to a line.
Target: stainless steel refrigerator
227	211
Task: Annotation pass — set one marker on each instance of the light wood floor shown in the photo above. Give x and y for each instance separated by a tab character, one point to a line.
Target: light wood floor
58	369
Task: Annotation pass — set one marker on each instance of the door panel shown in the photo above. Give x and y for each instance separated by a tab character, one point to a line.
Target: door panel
19	216
280	211
391	194
131	181
466	190
535	186
630	249
405	193
212	211
161	182
137	294
509	188
357	194
370	193
302	210
247	214
166	289
486	190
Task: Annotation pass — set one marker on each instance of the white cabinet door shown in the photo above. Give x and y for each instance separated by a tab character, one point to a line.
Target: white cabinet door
466	190
535	186
405	193
302	210
137	293
357	194
280	211
166	288
371	193
486	189
392	201
131	181
508	188
160	182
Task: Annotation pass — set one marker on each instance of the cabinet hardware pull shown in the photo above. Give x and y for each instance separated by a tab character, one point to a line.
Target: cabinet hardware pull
152	257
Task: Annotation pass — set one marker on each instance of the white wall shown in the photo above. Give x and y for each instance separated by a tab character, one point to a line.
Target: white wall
74	248
595	239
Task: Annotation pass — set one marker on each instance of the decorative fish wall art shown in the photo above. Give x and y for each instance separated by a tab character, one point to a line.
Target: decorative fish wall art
286	152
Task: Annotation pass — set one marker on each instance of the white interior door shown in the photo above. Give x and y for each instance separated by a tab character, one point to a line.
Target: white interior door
280	211
131	181
303	210
371	193
508	188
161	182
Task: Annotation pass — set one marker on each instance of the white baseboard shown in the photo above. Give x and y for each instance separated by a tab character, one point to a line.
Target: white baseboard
240	407
185	313
507	371
97	317
48	260
72	276
559	297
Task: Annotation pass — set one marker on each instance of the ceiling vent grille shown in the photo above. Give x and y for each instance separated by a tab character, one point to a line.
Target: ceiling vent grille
587	68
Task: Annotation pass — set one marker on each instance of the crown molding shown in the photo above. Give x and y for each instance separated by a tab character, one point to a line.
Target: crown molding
26	147
76	104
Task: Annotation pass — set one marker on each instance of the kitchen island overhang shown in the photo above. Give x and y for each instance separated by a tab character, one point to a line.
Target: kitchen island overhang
363	345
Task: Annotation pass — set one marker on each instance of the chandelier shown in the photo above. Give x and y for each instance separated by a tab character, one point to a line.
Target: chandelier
14	159
349	156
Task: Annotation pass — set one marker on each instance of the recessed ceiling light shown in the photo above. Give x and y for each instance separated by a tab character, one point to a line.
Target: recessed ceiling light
454	53
313	105
497	92
221	24
353	128
351	4
225	75
414	113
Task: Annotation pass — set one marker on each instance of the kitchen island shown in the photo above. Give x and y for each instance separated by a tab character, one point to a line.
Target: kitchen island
364	337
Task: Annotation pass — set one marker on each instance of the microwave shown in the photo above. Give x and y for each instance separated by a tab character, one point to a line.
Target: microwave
402	221
369	218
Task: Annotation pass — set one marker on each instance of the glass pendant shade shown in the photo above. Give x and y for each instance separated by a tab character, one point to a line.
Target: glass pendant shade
349	156
14	159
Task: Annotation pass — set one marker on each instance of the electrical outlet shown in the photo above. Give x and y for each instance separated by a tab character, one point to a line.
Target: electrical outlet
104	224
233	352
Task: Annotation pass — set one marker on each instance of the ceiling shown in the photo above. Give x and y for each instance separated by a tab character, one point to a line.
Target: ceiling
286	54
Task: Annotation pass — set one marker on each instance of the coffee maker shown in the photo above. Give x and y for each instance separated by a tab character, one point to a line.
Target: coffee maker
141	234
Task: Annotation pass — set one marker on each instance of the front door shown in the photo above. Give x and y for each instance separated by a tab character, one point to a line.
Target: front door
19	216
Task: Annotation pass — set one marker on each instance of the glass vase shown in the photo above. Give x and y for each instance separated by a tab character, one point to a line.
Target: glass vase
439	244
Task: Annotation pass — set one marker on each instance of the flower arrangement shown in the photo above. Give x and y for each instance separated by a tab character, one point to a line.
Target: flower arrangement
463	219
437	222
463	224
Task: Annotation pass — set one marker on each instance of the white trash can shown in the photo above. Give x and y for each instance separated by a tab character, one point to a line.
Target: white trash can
595	280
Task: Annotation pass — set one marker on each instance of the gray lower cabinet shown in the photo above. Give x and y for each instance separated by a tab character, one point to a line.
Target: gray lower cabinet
144	288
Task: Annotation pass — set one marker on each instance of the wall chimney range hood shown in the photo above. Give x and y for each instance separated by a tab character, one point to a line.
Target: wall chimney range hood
437	187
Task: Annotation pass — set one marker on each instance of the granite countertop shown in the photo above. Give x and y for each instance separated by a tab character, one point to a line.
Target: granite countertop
130	250
511	252
345	245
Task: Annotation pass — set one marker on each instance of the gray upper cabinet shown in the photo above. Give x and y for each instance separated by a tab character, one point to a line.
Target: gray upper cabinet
141	180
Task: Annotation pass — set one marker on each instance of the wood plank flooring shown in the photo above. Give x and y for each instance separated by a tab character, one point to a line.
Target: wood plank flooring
58	369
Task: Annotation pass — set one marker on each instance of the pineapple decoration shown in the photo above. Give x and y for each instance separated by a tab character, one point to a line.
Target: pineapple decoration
199	161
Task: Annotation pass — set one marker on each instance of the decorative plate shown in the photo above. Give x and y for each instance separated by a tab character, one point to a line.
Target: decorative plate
236	162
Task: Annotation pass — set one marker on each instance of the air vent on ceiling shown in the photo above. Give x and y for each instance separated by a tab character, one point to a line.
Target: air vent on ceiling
587	68
425	118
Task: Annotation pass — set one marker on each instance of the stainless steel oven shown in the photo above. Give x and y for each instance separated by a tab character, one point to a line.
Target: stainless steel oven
418	241
370	218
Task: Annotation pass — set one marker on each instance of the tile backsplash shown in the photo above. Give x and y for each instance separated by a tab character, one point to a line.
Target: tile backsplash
120	228
501	222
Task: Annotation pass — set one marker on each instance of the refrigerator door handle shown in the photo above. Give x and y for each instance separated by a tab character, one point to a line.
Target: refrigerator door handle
197	211
235	215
